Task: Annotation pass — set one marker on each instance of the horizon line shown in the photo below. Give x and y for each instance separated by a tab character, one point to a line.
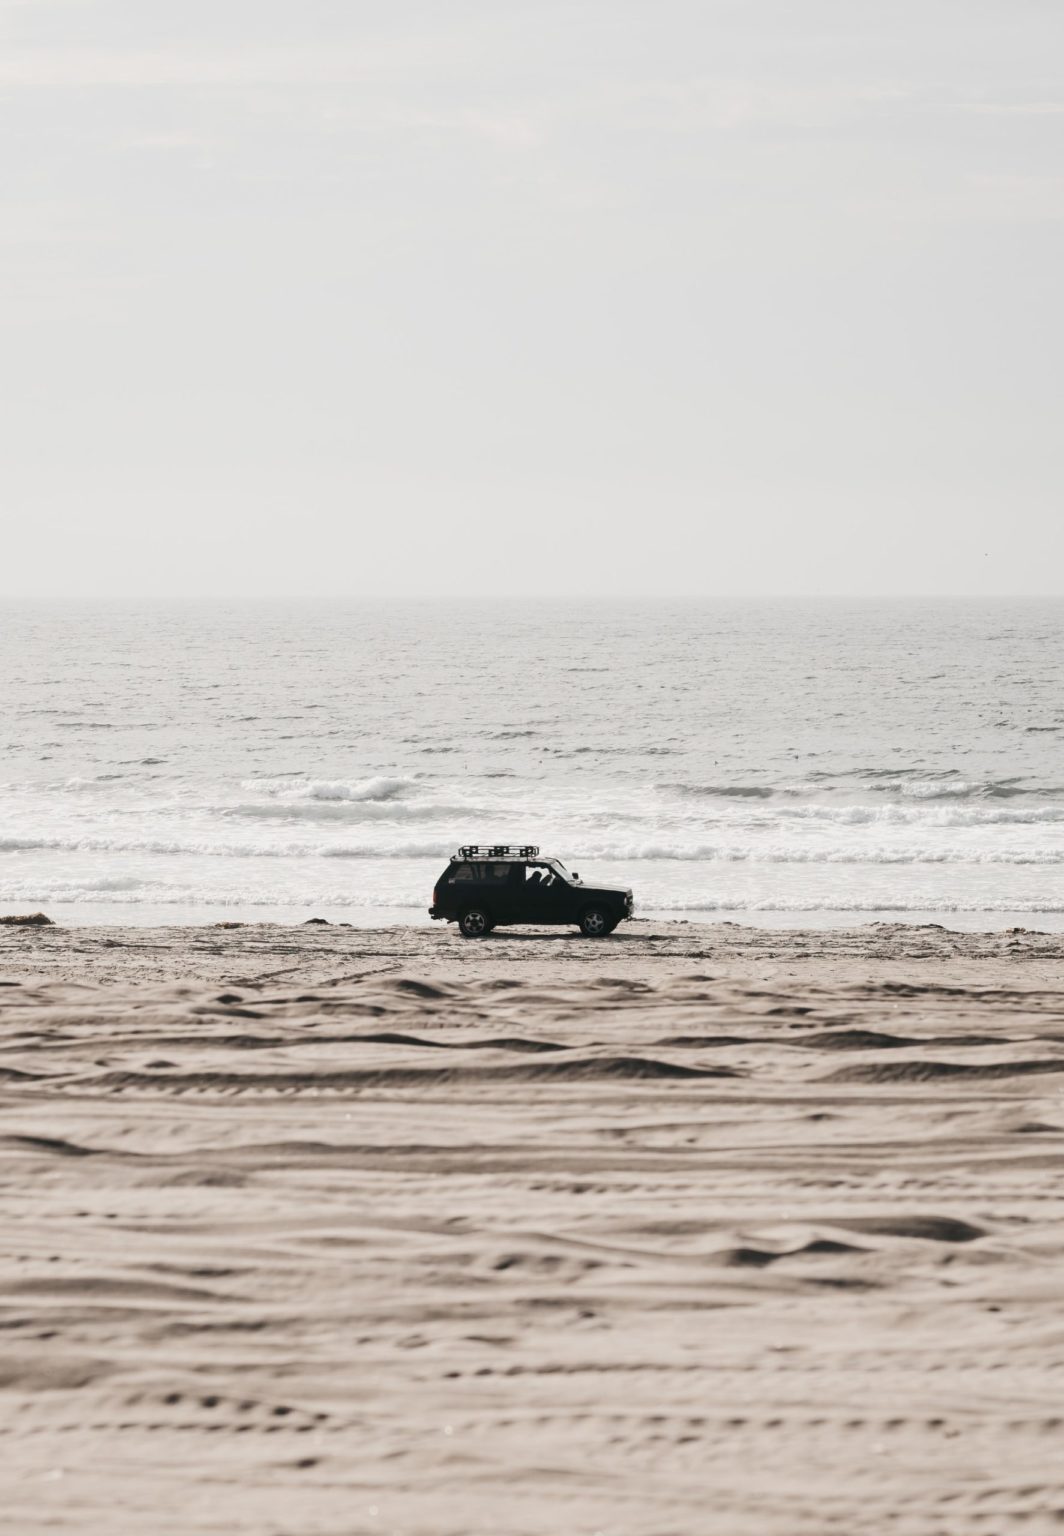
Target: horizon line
485	592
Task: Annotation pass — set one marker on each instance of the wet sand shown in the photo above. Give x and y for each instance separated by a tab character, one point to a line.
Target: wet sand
319	1231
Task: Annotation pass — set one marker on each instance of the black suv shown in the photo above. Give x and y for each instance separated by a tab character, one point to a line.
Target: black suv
482	888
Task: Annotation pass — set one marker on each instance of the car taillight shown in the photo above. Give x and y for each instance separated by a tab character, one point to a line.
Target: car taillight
435	898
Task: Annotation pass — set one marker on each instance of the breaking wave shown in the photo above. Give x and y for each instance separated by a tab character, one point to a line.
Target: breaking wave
909	784
370	790
613	852
924	815
348	811
720	791
946	788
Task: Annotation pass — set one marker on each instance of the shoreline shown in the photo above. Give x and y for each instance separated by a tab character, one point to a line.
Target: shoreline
177	915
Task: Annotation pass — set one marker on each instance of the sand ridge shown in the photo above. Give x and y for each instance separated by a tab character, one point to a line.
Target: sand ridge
521	1246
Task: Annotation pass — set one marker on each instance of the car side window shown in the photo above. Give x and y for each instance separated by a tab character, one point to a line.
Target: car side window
492	873
463	872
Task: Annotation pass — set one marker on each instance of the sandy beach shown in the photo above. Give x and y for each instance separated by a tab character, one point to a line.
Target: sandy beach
318	1231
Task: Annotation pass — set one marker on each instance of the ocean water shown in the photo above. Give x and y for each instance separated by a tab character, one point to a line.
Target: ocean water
774	761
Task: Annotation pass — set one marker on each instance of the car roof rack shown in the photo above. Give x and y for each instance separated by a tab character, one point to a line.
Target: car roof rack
496	851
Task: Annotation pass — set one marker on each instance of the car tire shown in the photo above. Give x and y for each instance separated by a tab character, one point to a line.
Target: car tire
595	923
474	923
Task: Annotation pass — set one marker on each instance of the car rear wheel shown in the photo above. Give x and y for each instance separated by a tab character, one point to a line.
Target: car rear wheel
596	923
474	923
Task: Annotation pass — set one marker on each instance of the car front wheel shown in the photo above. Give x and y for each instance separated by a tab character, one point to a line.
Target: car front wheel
596	923
475	923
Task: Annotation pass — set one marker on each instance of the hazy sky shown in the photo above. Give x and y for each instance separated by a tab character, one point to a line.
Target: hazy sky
349	296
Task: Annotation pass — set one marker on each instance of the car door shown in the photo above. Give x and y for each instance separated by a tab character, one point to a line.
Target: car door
561	899
531	896
497	890
509	899
546	896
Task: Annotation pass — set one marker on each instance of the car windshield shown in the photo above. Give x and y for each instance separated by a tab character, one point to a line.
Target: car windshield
560	869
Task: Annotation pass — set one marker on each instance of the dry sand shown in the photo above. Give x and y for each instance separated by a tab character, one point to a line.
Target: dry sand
694	1229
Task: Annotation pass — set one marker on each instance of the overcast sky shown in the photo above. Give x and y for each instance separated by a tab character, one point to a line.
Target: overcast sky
605	296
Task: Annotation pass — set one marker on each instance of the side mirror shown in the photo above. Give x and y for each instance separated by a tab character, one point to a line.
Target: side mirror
575	875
